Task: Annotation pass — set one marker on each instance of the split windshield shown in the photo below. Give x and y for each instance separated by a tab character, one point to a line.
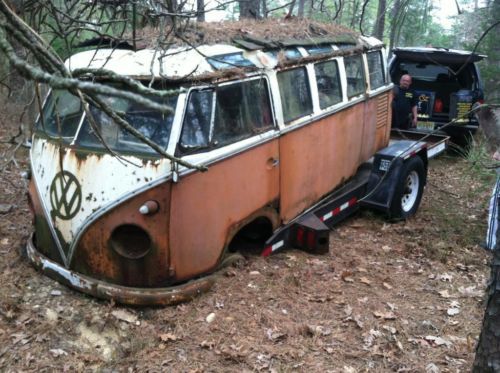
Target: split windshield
63	114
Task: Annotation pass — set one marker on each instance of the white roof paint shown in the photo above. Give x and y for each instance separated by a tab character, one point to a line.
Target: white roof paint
174	63
371	41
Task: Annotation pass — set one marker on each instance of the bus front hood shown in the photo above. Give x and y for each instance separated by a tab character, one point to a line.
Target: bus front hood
75	188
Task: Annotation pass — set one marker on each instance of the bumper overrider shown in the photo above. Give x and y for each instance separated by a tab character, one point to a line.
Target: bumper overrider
121	294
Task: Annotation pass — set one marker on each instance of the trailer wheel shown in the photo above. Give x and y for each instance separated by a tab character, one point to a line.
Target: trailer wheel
409	189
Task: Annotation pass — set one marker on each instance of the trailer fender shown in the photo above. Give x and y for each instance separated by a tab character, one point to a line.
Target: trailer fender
386	173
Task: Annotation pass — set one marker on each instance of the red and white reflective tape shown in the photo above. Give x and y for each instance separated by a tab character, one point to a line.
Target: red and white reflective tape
269	249
414	152
339	209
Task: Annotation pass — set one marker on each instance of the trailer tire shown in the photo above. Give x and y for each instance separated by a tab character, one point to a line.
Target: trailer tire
409	189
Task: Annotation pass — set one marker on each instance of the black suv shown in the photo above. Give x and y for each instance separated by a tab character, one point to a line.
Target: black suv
447	83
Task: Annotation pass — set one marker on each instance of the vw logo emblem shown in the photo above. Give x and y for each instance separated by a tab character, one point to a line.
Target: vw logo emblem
65	195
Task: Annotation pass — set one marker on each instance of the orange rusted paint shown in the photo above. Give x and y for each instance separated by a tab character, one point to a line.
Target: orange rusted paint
317	157
205	206
94	257
135	296
376	128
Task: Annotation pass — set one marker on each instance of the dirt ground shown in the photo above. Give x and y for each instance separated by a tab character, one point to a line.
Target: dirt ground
406	297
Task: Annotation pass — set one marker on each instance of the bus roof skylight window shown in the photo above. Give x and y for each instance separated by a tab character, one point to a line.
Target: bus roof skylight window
322	49
229	61
288	53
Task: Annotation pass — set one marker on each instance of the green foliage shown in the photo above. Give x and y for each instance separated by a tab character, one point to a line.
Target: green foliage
480	163
469	27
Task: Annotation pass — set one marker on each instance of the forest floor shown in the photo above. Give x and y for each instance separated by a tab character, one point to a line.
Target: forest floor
405	297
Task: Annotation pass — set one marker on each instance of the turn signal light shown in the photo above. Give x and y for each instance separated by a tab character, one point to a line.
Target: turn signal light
149	208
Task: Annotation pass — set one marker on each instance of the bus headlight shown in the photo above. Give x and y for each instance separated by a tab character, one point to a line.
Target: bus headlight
130	241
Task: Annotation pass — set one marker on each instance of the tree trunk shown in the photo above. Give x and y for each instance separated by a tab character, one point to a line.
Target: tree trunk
488	348
200	10
249	9
264	8
379	27
300	10
394	22
354	14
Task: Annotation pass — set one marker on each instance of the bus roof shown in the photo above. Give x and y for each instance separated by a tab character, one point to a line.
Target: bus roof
234	49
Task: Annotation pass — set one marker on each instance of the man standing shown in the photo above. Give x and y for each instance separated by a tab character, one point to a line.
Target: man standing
404	105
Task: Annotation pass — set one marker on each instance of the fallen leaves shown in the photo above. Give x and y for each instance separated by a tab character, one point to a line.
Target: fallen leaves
384	315
347	276
470	292
454	308
56	352
210	317
444	293
437	341
365	281
275	335
124	315
168	337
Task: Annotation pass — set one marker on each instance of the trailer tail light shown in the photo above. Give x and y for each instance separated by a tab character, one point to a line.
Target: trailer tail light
310	234
311	239
438	105
300	236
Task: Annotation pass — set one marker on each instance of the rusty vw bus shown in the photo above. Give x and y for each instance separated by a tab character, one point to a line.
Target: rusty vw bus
294	135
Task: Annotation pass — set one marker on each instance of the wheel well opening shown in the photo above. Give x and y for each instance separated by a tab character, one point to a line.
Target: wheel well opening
252	237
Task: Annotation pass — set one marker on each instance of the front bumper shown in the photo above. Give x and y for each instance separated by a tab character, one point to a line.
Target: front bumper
120	294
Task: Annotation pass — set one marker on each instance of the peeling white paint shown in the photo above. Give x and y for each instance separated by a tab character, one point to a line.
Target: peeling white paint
174	63
103	179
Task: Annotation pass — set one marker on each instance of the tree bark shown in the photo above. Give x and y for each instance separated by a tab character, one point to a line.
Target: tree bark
379	27
394	22
488	348
300	9
249	9
200	10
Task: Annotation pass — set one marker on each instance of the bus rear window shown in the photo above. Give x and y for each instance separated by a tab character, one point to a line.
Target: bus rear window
151	123
61	115
355	75
376	69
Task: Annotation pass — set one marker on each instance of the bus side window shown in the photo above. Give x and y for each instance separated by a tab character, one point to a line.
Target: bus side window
327	78
242	109
376	69
195	133
295	94
355	75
